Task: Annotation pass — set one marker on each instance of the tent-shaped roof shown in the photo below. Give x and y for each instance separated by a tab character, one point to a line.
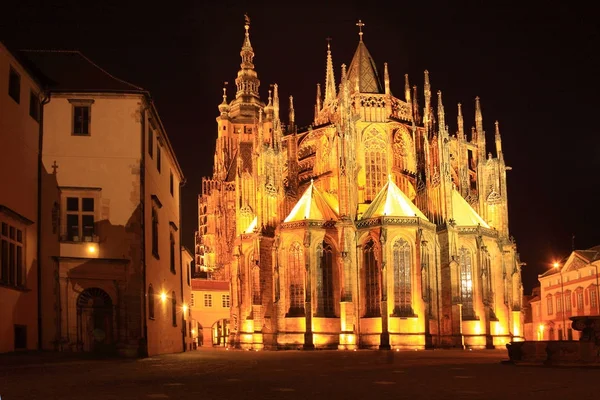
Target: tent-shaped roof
463	213
392	202
312	205
363	68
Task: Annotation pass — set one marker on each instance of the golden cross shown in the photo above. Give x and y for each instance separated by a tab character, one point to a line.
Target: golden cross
360	24
328	42
247	19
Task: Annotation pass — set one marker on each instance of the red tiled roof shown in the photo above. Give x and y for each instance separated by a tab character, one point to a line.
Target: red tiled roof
203	284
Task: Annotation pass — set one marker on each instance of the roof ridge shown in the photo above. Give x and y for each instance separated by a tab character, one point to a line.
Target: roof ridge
89	61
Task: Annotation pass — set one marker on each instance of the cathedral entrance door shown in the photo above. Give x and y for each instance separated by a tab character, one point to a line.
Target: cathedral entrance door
94	320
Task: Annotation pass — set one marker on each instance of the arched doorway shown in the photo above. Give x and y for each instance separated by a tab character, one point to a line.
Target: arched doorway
94	321
220	332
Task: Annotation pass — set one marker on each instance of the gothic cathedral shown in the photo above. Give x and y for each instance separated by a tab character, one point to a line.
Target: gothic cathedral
373	228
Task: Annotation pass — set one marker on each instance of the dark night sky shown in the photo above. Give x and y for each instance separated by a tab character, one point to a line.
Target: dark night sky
534	68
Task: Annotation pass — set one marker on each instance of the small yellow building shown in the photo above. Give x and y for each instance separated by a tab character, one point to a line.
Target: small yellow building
210	305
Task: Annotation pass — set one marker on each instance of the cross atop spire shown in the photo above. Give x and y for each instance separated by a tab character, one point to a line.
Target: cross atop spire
328	43
360	24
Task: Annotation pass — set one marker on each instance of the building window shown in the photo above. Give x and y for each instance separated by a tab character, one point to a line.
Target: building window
11	255
466	284
174	308
80	214
208	300
191	299
82	116
171	182
295	272
150	141
158	158
34	106
150	302
325	300
155	232
372	285
189	272
402	279
558	303
225	301
580	299
568	301
14	85
172	255
375	163
593	297
549	304
256	298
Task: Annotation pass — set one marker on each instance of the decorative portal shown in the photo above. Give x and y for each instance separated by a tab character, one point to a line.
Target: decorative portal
94	320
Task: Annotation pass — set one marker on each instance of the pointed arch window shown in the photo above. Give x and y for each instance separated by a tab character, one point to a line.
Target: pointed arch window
174	308
150	302
375	163
256	298
402	279
372	285
296	279
325	300
466	284
425	281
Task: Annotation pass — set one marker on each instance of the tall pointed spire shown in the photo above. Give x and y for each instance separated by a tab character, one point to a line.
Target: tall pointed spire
416	112
276	103
247	80
498	142
441	113
362	71
386	78
292	115
318	101
330	94
461	123
406	89
479	128
427	93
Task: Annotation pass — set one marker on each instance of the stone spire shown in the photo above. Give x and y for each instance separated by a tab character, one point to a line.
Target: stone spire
498	142
479	129
330	94
224	107
406	89
318	102
441	114
427	94
362	71
460	123
276	103
386	79
247	80
292	114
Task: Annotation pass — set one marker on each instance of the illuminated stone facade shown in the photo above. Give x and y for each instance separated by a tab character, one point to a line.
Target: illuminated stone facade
376	227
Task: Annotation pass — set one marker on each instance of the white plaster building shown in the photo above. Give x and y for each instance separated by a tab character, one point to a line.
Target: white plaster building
112	272
20	95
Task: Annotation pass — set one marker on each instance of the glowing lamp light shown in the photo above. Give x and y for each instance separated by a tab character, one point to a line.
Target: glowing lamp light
163	296
193	331
91	249
555	265
184	308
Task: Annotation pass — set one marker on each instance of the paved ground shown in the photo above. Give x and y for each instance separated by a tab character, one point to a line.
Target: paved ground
220	374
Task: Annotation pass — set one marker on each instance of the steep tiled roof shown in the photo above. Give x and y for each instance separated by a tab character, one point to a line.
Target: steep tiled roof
364	69
312	205
71	71
463	213
392	202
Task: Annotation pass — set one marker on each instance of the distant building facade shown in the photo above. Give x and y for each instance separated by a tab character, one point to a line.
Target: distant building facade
570	289
376	227
191	325
112	278
211	305
20	97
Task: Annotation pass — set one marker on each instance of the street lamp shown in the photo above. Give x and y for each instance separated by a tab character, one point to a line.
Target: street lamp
562	300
